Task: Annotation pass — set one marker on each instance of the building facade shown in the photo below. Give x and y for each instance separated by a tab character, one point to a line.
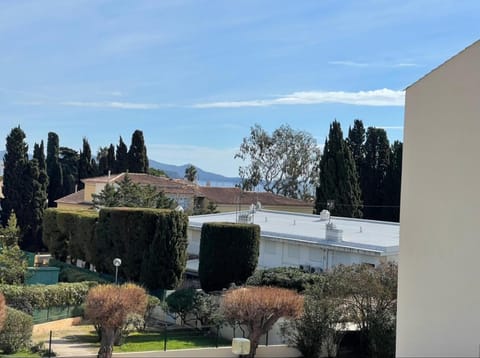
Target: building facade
438	267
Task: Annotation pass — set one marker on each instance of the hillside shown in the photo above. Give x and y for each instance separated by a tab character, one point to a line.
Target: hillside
178	171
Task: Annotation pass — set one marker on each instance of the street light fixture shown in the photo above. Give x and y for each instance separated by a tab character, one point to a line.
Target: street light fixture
116	262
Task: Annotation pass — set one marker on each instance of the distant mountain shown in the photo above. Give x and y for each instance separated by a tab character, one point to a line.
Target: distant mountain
178	171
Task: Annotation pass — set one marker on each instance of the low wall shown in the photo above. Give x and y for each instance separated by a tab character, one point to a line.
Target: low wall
278	351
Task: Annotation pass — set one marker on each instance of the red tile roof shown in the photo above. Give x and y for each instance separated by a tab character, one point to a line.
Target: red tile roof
231	196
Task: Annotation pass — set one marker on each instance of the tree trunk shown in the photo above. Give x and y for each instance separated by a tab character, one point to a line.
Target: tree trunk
106	343
254	339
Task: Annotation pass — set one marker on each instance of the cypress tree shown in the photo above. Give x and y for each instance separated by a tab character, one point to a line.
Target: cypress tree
338	177
102	158
121	160
69	165
86	165
111	159
355	141
38	169
15	163
32	214
137	154
374	171
54	170
393	183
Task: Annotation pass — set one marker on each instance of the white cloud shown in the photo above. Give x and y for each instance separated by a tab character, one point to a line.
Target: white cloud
216	160
381	97
116	105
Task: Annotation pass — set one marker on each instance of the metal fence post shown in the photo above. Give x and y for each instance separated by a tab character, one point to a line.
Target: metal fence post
266	339
165	338
50	345
216	338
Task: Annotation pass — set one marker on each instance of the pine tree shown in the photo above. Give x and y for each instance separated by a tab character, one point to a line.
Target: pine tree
54	170
374	171
121	160
86	165
15	163
393	183
137	154
338	177
356	141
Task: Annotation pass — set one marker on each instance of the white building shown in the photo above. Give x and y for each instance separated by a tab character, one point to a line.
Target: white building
439	289
293	239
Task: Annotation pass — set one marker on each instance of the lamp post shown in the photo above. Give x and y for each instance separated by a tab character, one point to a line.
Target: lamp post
116	262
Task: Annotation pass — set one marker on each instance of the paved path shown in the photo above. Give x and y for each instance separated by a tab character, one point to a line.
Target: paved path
64	347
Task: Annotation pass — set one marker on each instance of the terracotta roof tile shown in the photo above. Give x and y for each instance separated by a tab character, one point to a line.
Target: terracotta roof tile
222	195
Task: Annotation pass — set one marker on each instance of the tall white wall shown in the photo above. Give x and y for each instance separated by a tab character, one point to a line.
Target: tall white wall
439	270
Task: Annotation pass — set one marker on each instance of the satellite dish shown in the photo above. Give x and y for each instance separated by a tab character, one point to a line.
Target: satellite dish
117	262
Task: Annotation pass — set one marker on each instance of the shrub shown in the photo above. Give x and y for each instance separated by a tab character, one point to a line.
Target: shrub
109	306
228	254
71	273
43	296
285	277
155	240
16	332
182	302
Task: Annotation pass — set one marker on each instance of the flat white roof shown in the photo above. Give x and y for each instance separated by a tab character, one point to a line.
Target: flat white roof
368	235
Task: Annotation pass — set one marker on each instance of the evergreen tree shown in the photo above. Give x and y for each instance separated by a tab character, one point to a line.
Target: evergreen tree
32	214
393	183
356	143
86	165
137	154
39	198
12	260
111	159
54	170
102	159
15	163
374	171
338	177
69	165
121	160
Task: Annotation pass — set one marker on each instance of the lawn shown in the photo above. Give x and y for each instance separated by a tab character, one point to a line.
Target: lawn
181	339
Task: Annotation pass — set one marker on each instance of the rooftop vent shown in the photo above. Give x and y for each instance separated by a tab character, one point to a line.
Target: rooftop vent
325	215
332	233
245	218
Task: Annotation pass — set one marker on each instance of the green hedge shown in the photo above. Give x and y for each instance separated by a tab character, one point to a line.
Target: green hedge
152	243
16	332
43	296
70	233
285	277
228	254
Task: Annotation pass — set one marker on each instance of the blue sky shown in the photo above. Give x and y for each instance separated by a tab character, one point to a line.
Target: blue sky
195	75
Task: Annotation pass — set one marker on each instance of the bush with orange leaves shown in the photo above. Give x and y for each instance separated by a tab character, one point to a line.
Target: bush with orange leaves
108	307
258	308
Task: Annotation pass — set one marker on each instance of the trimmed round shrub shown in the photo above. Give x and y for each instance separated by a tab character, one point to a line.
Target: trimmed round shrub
17	331
228	254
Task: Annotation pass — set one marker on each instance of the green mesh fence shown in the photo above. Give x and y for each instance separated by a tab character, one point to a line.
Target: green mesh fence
56	313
